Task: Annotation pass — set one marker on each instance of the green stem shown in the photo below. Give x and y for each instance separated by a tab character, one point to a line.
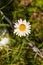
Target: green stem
6	5
4	25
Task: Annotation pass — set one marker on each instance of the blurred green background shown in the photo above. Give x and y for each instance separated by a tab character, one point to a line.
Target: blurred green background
21	53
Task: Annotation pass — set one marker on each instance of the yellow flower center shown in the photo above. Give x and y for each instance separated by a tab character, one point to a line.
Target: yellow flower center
22	27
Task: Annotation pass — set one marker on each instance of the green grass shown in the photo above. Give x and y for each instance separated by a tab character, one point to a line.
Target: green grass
19	52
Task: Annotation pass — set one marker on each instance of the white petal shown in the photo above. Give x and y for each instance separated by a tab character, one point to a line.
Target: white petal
20	20
24	21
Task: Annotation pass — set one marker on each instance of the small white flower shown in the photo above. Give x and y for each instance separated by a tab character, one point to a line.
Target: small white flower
4	41
22	28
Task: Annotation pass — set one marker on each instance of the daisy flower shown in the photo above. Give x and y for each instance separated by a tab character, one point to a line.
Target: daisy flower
4	41
22	28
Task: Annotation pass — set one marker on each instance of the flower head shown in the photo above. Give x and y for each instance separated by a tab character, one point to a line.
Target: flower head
22	28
